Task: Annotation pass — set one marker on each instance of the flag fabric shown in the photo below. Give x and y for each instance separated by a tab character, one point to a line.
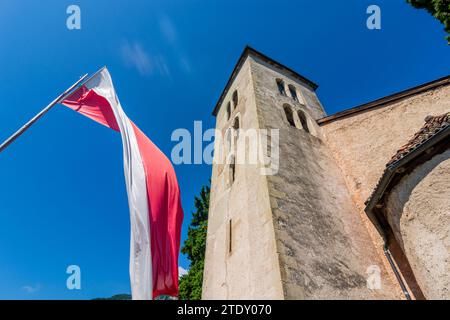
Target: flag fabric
153	194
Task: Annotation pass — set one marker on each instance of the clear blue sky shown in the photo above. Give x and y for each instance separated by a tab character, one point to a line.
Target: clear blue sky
62	192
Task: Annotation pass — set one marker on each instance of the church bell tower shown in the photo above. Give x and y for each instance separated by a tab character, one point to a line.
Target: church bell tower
292	233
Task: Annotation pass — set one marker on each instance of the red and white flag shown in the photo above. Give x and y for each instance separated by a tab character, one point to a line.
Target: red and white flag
153	194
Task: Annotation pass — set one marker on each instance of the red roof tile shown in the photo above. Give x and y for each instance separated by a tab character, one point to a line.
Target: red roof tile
432	126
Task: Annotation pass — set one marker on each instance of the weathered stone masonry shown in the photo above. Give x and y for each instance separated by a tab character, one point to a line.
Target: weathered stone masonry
303	233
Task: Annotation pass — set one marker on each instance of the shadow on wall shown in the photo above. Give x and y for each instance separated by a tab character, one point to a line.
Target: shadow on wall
418	212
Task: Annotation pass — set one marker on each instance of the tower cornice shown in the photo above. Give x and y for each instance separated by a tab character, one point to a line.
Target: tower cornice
250	51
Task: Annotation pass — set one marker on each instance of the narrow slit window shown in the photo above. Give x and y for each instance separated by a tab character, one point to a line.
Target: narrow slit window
289	115
232	173
228	111
235	99
303	120
230	236
293	92
281	88
236	127
236	123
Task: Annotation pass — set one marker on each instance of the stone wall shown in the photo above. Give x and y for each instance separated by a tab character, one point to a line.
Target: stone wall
251	270
364	142
371	138
418	210
302	233
323	246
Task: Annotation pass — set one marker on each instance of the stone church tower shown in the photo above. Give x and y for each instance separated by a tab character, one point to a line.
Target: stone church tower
301	232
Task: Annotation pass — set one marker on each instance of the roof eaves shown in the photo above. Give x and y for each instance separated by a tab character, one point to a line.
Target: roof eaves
385	100
245	53
393	169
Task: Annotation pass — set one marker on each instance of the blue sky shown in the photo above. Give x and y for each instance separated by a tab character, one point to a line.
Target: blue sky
62	192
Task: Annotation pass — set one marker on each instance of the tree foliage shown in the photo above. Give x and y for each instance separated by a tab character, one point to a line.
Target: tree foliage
190	287
440	9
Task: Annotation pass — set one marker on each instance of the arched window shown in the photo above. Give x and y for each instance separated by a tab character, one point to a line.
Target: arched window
303	121
235	99
289	115
236	123
293	92
281	88
228	111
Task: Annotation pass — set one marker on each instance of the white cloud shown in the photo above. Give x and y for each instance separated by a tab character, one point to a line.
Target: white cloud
181	271
161	66
168	30
185	64
154	62
170	34
135	56
31	289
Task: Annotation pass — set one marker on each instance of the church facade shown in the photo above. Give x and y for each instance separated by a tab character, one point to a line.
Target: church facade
358	208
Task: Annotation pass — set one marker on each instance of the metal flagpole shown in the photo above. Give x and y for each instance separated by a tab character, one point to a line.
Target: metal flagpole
61	97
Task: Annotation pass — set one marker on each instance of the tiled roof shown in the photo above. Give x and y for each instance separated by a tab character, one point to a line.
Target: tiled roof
432	126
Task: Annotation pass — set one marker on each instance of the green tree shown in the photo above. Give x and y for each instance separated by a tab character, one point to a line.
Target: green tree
440	9
194	247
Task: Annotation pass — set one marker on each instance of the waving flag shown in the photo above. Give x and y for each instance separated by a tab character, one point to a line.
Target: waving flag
153	193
